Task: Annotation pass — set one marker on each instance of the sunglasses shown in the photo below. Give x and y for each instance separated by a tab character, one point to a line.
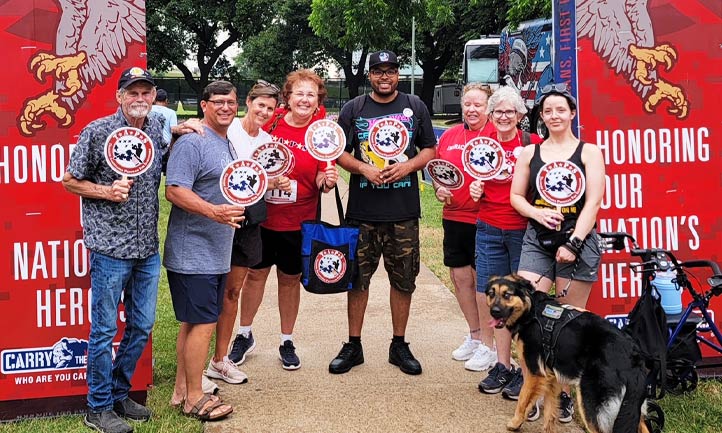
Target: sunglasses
265	83
559	89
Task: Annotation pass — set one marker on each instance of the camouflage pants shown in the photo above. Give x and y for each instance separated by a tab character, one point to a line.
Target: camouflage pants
399	244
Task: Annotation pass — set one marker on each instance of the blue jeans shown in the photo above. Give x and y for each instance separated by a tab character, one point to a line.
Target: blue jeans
137	279
497	252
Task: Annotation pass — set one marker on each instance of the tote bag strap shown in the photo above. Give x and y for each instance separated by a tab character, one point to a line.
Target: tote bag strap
339	205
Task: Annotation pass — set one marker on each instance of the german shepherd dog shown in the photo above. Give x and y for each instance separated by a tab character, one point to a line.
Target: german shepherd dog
560	345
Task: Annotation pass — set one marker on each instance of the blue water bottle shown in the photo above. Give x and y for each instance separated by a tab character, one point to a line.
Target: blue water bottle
669	292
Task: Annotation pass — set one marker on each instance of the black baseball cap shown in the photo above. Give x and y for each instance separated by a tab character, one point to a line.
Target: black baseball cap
161	95
383	57
133	75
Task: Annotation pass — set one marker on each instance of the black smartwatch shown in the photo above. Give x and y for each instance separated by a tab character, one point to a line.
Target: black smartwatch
576	242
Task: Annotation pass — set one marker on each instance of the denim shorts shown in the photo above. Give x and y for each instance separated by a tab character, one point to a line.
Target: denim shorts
497	252
536	259
197	298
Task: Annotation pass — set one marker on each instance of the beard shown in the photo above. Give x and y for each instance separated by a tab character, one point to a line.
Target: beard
376	88
138	110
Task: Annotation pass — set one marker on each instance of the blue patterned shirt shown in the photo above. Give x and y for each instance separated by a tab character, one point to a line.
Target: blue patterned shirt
127	230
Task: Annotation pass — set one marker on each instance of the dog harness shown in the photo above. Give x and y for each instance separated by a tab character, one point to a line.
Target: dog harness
552	319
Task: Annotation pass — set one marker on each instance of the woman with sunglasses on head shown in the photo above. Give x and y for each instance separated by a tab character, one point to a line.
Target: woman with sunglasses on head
499	234
292	202
459	219
548	256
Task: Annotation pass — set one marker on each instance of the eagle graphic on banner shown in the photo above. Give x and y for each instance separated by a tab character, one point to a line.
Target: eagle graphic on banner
91	40
622	34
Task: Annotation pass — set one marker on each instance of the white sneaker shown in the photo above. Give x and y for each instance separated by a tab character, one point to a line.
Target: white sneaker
482	359
226	370
466	350
209	387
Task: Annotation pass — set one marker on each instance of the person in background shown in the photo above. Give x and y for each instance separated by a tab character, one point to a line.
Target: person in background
171	119
459	223
499	233
293	201
120	228
384	203
572	267
198	244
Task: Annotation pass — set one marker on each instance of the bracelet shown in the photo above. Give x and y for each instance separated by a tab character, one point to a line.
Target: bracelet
569	246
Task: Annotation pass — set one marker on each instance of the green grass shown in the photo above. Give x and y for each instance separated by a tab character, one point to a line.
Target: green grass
698	412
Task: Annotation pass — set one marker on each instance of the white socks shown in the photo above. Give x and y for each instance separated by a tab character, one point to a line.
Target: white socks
244	330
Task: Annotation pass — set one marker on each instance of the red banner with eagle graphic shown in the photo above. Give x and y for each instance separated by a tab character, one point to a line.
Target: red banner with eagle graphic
648	80
62	63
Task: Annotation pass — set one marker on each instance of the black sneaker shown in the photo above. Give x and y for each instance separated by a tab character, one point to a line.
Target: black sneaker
499	377
287	353
512	390
351	355
566	408
106	422
241	347
129	409
401	356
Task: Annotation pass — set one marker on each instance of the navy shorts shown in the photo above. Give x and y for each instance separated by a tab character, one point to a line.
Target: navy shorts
282	249
197	298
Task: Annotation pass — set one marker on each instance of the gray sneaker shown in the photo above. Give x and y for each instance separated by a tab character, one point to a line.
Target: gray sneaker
107	422
512	390
131	410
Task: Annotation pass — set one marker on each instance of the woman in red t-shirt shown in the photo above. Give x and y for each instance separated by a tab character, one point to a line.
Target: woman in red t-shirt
459	222
293	202
500	229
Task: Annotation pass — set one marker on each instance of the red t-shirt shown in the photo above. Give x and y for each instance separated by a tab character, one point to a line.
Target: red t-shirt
451	148
495	208
286	212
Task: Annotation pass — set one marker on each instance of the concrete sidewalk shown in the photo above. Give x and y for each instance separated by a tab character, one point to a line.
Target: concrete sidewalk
375	396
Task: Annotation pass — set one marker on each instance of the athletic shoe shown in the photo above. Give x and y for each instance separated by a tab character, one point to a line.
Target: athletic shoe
131	410
241	347
466	350
566	408
107	422
351	355
498	378
287	354
512	390
226	370
482	359
209	387
400	355
535	411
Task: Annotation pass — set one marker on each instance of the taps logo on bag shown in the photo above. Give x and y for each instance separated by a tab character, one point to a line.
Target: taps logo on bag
330	266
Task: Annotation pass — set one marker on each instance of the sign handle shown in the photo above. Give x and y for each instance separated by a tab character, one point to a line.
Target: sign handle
559	226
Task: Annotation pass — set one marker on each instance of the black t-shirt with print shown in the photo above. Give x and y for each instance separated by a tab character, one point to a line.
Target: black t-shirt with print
389	202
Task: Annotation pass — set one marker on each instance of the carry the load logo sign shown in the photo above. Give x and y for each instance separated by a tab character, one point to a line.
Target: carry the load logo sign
129	151
330	265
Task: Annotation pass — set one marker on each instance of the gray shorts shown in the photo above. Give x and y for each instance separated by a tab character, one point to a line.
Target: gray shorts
536	259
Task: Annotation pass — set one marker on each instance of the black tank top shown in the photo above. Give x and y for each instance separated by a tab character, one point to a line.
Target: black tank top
570	212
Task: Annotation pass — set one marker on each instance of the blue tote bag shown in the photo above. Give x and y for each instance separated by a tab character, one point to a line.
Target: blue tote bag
328	253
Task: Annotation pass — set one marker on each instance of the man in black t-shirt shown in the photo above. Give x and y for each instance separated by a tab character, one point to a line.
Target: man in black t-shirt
384	203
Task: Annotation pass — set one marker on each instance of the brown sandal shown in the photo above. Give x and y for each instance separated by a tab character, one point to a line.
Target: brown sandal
205	413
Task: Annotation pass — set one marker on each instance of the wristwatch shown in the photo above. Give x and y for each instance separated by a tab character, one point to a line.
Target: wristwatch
576	242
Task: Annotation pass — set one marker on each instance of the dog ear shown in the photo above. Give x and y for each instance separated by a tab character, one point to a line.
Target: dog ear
523	284
493	280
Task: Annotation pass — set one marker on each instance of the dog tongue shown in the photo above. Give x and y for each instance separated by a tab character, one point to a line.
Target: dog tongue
494	323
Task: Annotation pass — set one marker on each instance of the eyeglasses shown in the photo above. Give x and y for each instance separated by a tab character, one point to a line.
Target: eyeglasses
378	73
504	113
219	103
555	88
265	83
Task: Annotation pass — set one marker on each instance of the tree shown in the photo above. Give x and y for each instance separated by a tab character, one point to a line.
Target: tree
200	30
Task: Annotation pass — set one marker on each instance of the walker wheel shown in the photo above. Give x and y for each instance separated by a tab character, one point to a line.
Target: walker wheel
654	419
681	380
